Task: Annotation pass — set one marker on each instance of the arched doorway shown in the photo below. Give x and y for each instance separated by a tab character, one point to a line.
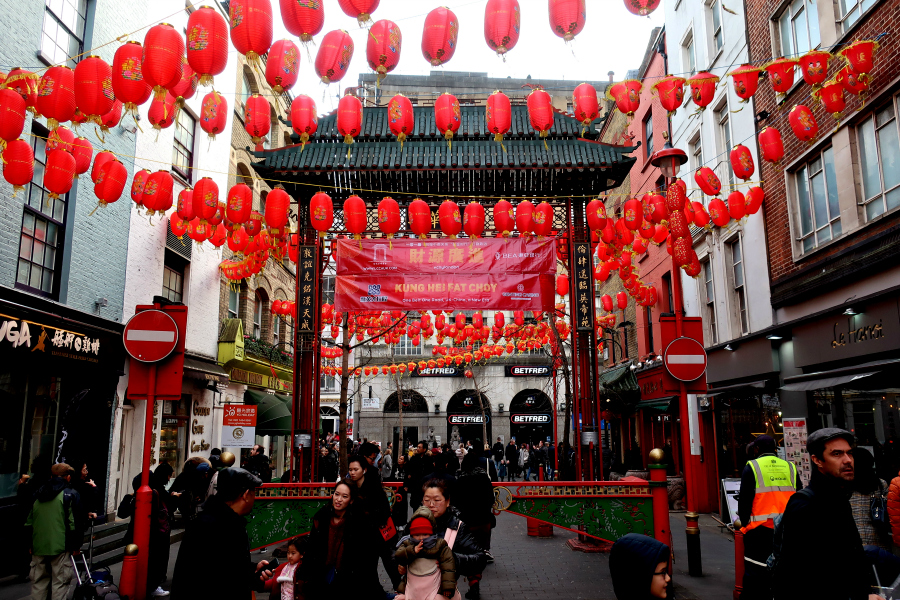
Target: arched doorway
413	404
329	419
531	417
464	413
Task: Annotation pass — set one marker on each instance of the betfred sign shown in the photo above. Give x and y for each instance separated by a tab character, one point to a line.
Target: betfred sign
527	370
468	419
438	372
529	419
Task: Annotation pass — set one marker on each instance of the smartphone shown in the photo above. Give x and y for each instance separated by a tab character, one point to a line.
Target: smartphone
273	564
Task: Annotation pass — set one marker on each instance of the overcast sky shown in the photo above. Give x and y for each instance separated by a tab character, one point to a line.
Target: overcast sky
612	40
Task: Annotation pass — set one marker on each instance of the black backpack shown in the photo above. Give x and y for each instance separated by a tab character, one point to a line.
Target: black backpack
126	507
778	537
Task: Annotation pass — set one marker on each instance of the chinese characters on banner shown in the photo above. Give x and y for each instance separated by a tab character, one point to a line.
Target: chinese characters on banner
306	286
239	426
581	276
795	446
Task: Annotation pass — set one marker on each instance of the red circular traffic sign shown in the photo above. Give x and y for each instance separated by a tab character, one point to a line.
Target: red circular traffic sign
150	336
685	359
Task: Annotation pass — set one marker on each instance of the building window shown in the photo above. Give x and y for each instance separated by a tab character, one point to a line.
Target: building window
667	290
696	150
405	347
262	202
740	293
246	89
62	33
820	216
183	148
43	224
650	346
690	55
233	302
276	329
725	139
173	284
716	9
328	289
648	134
798	27
327	383
709	298
852	9
879	153
257	317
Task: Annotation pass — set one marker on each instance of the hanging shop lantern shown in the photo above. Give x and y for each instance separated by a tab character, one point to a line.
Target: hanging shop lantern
239	205
502	20
660	211
238	240
178	226
83	152
562	285
447	115
355	218
803	123
678	224
708	181
213	114
473	220
257	120
158	191
689	211
321	212
278	205
93	87
26	84
703	88
701	217
540	112
504	218
162	112
207	43
675	197
200	231
622	300
567	18
334	56
12	116
718	212
781	74
641	8
586	106
349	119
693	269
111	119
383	48
137	186
101	159
860	55
852	81
627	95
596	215
361	10
681	251
110	182
251	27
770	145
814	67
754	200
498	113
18	164
742	162
745	79
127	77
400	117
419	218
670	90
304	120
449	218
303	19
737	205
56	96
831	95
282	66
205	199
647	230
389	217
661	235
187	85
60	138
162	59
633	214
542	219
184	204
253	224
608	232
607	302
439	36
524	219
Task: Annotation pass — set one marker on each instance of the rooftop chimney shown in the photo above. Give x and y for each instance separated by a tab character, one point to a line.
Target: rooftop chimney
611	74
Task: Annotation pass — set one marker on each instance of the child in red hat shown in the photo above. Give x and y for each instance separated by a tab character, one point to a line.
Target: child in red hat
429	562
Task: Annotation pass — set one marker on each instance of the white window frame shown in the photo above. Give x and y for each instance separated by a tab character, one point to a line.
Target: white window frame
717	38
804	181
257	316
405	347
695	150
851	10
689	51
806	9
738	285
723	125
233	314
708	295
886	127
648	134
327	290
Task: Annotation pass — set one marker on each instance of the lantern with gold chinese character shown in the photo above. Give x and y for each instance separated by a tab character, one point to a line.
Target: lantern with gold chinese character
746	80
449	218
860	55
239	205
803	123
742	162
855	83
831	95
670	90
251	28
708	181
389	217
355	218
814	67
718	212
524	220
770	145
439	37
498	114
542	219
781	74
596	215
419	218
400	117
473	220
56	96
703	88
737	206
207	43
504	218
627	95
754	200
321	213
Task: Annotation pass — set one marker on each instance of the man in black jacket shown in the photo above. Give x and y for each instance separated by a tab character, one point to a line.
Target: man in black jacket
420	465
512	459
817	528
497	453
220	533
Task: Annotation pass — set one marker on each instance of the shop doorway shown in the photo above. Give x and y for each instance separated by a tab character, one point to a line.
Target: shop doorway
466	421
410	436
531	417
329	420
413	404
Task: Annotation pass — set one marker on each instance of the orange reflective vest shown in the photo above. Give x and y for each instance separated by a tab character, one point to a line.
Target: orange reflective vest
776	482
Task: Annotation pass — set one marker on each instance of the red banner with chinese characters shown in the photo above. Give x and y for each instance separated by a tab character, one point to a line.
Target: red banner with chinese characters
407	274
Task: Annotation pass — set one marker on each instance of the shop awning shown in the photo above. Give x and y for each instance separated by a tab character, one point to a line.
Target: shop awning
273	416
204	370
751	387
836	377
618	380
667	404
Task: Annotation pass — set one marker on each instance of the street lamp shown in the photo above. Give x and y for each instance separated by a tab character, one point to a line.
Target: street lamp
668	160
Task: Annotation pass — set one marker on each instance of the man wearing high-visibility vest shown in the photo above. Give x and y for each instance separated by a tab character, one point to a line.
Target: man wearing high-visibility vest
766	485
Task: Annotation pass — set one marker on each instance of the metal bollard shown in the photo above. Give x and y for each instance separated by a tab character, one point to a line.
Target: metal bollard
738	560
695	567
128	579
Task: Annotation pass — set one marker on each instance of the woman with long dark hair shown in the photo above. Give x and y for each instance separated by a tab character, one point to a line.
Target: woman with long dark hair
866	485
373	506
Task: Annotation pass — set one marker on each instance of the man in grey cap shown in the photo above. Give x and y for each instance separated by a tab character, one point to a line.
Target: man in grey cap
821	554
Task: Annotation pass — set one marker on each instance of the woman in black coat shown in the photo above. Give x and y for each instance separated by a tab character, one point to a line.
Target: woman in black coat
373	506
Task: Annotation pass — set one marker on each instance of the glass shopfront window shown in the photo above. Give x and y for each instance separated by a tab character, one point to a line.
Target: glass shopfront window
173	434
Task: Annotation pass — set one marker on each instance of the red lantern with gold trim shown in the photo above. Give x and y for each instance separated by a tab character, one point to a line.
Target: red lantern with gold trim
321	212
746	80
718	212
110	182
737	205
239	205
753	200
701	217
26	84
504	218
540	112
641	8
206	199
304	120
254	223
207	43
670	90
675	197
586	108
596	215
383	46
56	96
627	95
158	190
128	81
101	159
83	152
18	164
238	240
781	74
361	10
12	116
282	66
334	56
678	224
163	53
660	211
213	114
162	112
137	186
303	19
111	119
473	220
447	115
852	81
178	226
633	213
647	230
742	162
770	145
703	88
567	18
803	123
251	27
831	95
257	120
449	218
278	204
524	220
661	235
502	20
401	120
389	217
186	86
542	219
708	181
61	138
814	67
498	114
355	217
349	119
93	87
184	205
860	55
419	218
439	36
681	251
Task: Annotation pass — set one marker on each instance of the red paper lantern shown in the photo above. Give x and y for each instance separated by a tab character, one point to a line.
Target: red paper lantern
207	43
239	205
781	74
56	96
282	66
389	216
742	162
803	123
718	212
18	164
12	116
586	108
501	25
137	186
334	56
642	8
278	204
158	190
647	230
127	77
447	115
770	145
178	226
200	231
670	90
184	205
562	286
219	235
93	87
708	181
383	48
361	10
238	240
26	84
504	218
542	219
675	197
303	19
540	112
754	200
110	182
251	27
633	214
524	219
100	160
662	233
831	95
746	80
678	224
498	113
622	300
321	212
163	54
355	218
256	118
607	302
400	117
254	224
596	215
449	218
61	138
860	55
814	67
567	18
701	217
419	218
439	36
703	88
852	81
162	113
473	219
83	152
627	95
111	119
186	86
681	251
205	199
214	114
660	211
737	207
304	120
349	119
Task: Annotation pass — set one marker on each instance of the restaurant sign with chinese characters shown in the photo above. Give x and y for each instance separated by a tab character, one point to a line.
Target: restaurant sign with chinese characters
33	340
306	290
581	280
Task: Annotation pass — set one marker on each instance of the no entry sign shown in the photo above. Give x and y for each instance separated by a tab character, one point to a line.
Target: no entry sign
685	359
150	336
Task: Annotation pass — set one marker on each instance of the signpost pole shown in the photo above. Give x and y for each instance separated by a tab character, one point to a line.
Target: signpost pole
144	495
